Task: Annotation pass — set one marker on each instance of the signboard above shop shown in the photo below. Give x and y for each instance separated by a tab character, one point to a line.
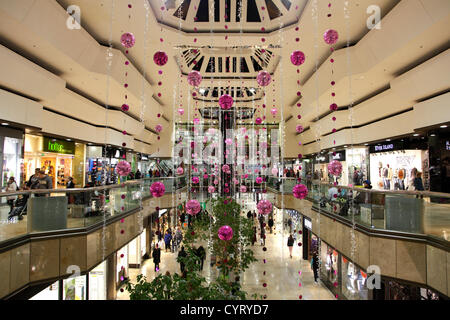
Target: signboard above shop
337	155
58	146
387	146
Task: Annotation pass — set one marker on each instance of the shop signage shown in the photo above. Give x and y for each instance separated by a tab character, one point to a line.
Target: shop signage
391	146
338	155
447	145
321	159
58	146
308	224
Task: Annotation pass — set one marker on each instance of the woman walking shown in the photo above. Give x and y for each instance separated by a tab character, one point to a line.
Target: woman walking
290	244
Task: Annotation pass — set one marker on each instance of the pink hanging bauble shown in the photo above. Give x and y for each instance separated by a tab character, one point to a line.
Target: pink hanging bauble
263	78
211	189
158	128
160	58
225	233
297	58
226	102
193	207
274	111
180	171
194	78
157	189
123	168
243	189
259	180
264	207
258	120
195	180
335	168
333	107
331	36
228	141
196	120
299	128
274	171
300	191
125	107
127	40
180	111
226	168
216	182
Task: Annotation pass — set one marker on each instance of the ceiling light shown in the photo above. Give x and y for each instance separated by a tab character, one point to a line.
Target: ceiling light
388	139
415	134
69	139
366	144
5	124
443	126
432	135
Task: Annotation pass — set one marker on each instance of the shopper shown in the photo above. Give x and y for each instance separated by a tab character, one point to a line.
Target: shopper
270	223
201	253
44	182
70	183
249	215
11	186
290	225
156	255
412	177
33	182
315	266
290	244
418	183
263	236
254	236
138	175
167	240
367	184
182	254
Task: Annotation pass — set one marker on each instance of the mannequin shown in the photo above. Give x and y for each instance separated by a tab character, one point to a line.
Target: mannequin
386	181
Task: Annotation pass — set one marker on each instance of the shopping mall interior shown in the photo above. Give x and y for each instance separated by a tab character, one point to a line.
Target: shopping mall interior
225	150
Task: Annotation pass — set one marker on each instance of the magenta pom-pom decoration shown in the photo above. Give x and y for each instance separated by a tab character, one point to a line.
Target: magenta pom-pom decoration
125	107
259	180
300	191
158	128
193	207
226	168
258	120
263	78
297	58
127	39
274	111
157	189
274	171
264	207
196	121
299	128
333	107
194	78
180	111
211	189
225	233
226	101
331	36
335	168
195	180
160	58
180	171
123	168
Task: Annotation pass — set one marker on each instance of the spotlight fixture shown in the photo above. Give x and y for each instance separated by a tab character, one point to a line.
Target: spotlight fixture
5	124
443	126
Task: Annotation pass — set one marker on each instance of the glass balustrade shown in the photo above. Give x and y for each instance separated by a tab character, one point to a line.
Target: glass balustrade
39	211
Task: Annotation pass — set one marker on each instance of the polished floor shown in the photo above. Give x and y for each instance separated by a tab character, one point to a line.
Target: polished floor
283	275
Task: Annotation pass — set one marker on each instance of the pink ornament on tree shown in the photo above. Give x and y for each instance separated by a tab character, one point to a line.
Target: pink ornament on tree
194	78
193	207
127	39
225	233
226	102
160	58
300	191
297	58
263	78
157	189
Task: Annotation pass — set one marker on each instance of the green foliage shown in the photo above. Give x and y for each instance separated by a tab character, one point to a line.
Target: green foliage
232	257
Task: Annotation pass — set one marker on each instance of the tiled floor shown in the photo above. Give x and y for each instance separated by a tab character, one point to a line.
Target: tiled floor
282	273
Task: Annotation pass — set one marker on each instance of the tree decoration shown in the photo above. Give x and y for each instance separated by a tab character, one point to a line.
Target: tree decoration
300	191
335	168
331	36
123	168
259	180
157	189
297	58
194	78
226	102
299	128
263	78
193	207
264	207
127	39
225	233
160	58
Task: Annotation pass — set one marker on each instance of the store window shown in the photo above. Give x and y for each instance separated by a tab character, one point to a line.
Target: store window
97	282
74	288
121	266
330	259
50	293
354	281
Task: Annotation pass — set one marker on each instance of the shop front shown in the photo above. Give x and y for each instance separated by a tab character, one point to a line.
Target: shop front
354	281
11	153
293	221
60	159
101	162
143	165
391	166
320	168
330	271
357	165
122	266
310	241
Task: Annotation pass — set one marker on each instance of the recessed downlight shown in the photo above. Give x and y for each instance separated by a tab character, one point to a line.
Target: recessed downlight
5	124
443	126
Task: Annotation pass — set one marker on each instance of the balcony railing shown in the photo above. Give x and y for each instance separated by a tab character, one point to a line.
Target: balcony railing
37	211
417	212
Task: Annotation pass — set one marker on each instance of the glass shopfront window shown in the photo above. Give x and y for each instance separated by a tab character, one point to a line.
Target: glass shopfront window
330	266
354	281
74	288
97	282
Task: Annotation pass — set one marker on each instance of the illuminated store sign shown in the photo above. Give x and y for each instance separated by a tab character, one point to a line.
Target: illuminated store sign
58	146
308	224
384	147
